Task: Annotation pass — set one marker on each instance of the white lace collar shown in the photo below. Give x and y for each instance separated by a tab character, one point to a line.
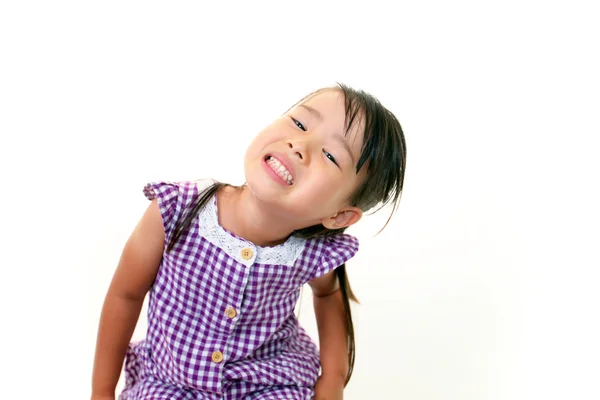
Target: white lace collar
209	227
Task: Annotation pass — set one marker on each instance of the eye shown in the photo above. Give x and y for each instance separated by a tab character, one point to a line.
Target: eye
299	124
330	156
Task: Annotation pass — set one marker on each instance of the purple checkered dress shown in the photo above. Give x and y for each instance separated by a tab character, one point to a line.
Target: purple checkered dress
221	321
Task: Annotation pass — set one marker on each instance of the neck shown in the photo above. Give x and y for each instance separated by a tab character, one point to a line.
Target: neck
241	213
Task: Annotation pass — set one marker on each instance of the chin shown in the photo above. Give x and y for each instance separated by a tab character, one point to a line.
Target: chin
261	188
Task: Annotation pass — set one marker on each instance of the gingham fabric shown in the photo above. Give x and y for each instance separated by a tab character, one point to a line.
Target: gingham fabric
221	321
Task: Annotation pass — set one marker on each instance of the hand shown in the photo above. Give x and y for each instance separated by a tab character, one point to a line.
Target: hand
329	389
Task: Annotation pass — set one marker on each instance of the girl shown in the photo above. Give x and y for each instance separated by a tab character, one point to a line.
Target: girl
224	265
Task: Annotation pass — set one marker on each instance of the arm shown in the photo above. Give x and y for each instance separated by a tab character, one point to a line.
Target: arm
133	278
333	337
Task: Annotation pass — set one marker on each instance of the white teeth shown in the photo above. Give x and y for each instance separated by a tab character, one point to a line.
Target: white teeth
280	169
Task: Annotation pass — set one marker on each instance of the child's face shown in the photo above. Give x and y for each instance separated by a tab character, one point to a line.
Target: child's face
303	165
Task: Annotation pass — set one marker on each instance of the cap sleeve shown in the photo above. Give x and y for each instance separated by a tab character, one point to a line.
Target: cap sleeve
172	198
336	251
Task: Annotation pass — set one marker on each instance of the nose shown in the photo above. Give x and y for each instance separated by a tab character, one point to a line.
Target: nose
300	149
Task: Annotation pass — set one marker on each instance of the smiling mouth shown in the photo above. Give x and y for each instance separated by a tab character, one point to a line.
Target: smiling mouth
280	169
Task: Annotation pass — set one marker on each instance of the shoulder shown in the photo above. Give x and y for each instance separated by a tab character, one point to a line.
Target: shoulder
173	197
327	253
328	246
162	189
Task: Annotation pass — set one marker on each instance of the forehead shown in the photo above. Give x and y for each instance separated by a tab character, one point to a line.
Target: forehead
331	104
328	100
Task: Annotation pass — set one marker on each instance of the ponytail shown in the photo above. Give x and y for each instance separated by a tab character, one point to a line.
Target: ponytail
192	212
347	295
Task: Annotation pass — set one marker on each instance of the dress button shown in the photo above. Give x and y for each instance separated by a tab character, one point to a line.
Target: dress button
230	312
246	253
217	356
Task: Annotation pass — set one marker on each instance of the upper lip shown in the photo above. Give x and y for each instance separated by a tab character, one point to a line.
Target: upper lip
285	162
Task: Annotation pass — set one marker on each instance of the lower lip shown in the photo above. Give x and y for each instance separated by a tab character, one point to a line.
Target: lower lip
274	174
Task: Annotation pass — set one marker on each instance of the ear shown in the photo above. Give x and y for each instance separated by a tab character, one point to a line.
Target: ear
343	218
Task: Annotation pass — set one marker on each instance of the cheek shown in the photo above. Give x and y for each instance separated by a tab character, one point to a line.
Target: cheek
256	147
343	191
329	187
264	139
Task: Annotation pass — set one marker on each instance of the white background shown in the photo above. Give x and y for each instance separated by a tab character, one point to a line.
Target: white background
483	286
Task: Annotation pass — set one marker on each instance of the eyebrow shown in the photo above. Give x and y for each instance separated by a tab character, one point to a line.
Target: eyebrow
313	111
346	146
